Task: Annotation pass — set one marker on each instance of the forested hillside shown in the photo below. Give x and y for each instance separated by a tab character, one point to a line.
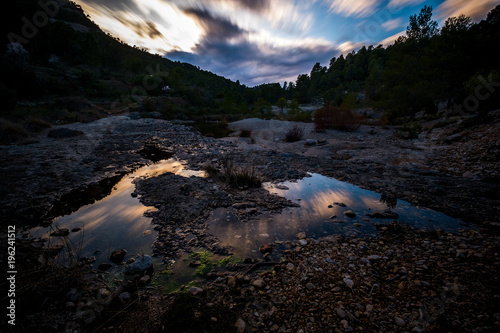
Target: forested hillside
58	66
454	67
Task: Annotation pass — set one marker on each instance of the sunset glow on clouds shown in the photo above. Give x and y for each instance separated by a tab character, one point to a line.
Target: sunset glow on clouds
261	41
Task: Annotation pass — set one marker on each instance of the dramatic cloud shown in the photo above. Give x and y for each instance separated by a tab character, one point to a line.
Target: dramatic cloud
261	41
256	58
218	28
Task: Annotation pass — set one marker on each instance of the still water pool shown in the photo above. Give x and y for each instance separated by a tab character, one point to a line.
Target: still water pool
116	221
323	202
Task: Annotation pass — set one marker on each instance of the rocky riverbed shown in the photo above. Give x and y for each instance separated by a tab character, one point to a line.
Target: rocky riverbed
403	280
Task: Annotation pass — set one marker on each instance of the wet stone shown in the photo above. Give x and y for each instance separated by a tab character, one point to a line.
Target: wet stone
60	232
117	256
266	248
350	213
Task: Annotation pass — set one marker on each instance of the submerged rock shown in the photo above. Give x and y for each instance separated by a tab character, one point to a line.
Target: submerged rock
60	232
104	266
386	214
350	213
140	266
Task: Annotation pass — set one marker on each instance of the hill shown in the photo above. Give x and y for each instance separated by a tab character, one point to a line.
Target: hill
59	66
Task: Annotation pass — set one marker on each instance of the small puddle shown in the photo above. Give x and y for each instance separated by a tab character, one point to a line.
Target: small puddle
321	213
115	222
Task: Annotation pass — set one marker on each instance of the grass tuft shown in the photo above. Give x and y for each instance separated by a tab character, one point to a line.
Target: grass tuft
234	176
295	134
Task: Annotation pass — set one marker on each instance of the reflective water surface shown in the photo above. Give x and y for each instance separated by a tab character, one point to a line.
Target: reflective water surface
115	222
322	201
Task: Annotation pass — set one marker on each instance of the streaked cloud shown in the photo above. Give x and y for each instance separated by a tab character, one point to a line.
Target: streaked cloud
476	9
355	8
257	57
391	39
392	24
396	4
155	25
348	46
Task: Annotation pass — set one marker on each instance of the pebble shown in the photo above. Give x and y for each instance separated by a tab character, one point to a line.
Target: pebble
124	297
240	325
348	282
259	283
399	321
301	235
231	281
195	291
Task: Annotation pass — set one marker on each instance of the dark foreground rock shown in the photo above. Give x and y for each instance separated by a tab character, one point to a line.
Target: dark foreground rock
405	280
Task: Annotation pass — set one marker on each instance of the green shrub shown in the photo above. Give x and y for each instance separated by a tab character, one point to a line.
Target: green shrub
410	130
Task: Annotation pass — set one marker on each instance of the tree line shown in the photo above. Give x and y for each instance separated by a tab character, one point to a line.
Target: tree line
453	66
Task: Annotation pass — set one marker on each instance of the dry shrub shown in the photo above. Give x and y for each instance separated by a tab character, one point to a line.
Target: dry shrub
35	124
294	134
343	119
11	132
234	176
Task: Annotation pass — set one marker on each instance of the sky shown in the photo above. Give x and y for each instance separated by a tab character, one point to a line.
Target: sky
265	41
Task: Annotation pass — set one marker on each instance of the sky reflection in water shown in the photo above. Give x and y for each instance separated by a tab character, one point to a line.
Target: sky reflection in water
315	194
117	221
